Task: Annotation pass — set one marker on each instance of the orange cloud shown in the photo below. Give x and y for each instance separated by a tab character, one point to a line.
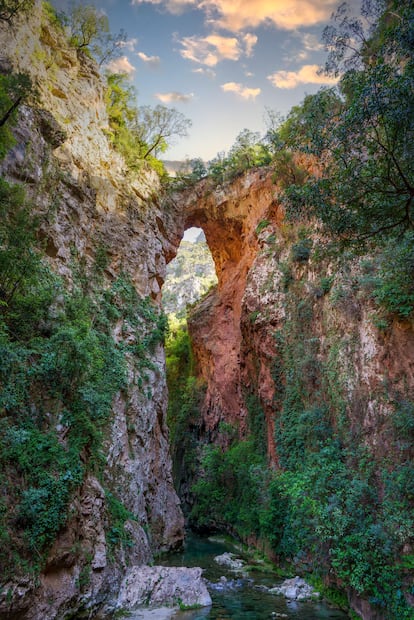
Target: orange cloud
308	74
235	15
121	65
242	91
210	50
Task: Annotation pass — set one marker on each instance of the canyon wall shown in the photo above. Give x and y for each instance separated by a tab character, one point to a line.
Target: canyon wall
267	270
89	204
293	349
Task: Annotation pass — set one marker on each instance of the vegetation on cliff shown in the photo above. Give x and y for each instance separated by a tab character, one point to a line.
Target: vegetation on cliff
61	367
335	504
331	504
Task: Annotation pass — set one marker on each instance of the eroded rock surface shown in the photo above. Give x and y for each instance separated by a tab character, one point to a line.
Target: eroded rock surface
86	199
156	586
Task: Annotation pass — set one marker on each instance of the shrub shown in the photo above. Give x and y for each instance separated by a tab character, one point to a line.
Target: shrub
301	251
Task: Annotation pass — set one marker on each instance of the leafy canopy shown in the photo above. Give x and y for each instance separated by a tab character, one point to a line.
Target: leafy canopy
10	8
89	32
362	131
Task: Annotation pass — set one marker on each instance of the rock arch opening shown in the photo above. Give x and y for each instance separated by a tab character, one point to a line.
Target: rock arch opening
189	275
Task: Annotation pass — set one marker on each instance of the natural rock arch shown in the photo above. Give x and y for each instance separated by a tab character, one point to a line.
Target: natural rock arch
229	217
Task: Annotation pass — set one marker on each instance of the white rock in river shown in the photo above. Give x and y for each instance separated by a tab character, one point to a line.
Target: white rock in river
161	585
230	560
295	589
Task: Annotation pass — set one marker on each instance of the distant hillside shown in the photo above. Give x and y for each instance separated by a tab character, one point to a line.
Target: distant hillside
189	276
174	166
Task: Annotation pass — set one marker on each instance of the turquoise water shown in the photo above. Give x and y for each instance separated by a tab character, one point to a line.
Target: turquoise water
241	597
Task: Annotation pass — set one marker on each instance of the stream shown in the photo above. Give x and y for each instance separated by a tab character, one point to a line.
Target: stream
240	598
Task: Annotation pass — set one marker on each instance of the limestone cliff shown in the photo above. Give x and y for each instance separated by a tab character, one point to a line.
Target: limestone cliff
289	346
88	202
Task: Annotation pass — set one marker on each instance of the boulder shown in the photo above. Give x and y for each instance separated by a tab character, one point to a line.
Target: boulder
230	560
295	589
157	586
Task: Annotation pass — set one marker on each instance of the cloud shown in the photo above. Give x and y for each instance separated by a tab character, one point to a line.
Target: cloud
308	74
210	50
310	42
129	44
250	41
208	72
236	15
151	61
214	48
174	97
174	6
121	65
242	91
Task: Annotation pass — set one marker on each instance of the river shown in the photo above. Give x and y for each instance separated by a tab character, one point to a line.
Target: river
240	598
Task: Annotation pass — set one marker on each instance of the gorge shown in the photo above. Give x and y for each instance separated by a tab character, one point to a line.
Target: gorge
293	415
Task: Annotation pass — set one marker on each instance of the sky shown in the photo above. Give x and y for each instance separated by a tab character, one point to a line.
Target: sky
221	63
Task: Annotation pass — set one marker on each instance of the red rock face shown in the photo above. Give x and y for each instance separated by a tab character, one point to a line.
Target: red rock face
229	220
233	328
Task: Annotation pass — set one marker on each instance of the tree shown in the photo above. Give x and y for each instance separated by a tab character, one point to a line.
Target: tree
366	140
247	151
198	169
156	127
10	8
217	167
120	101
14	89
89	31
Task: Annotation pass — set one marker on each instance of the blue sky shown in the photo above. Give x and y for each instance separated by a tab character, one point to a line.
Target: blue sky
220	62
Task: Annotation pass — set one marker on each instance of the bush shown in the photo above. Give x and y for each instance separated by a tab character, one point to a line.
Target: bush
301	251
394	287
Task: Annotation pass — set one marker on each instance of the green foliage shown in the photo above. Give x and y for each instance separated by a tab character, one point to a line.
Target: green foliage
89	32
121	107
118	517
326	284
334	520
52	16
9	9
140	134
228	492
261	226
301	251
189	173
394	285
60	369
248	151
157	127
14	89
287	171
365	192
257	424
183	414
